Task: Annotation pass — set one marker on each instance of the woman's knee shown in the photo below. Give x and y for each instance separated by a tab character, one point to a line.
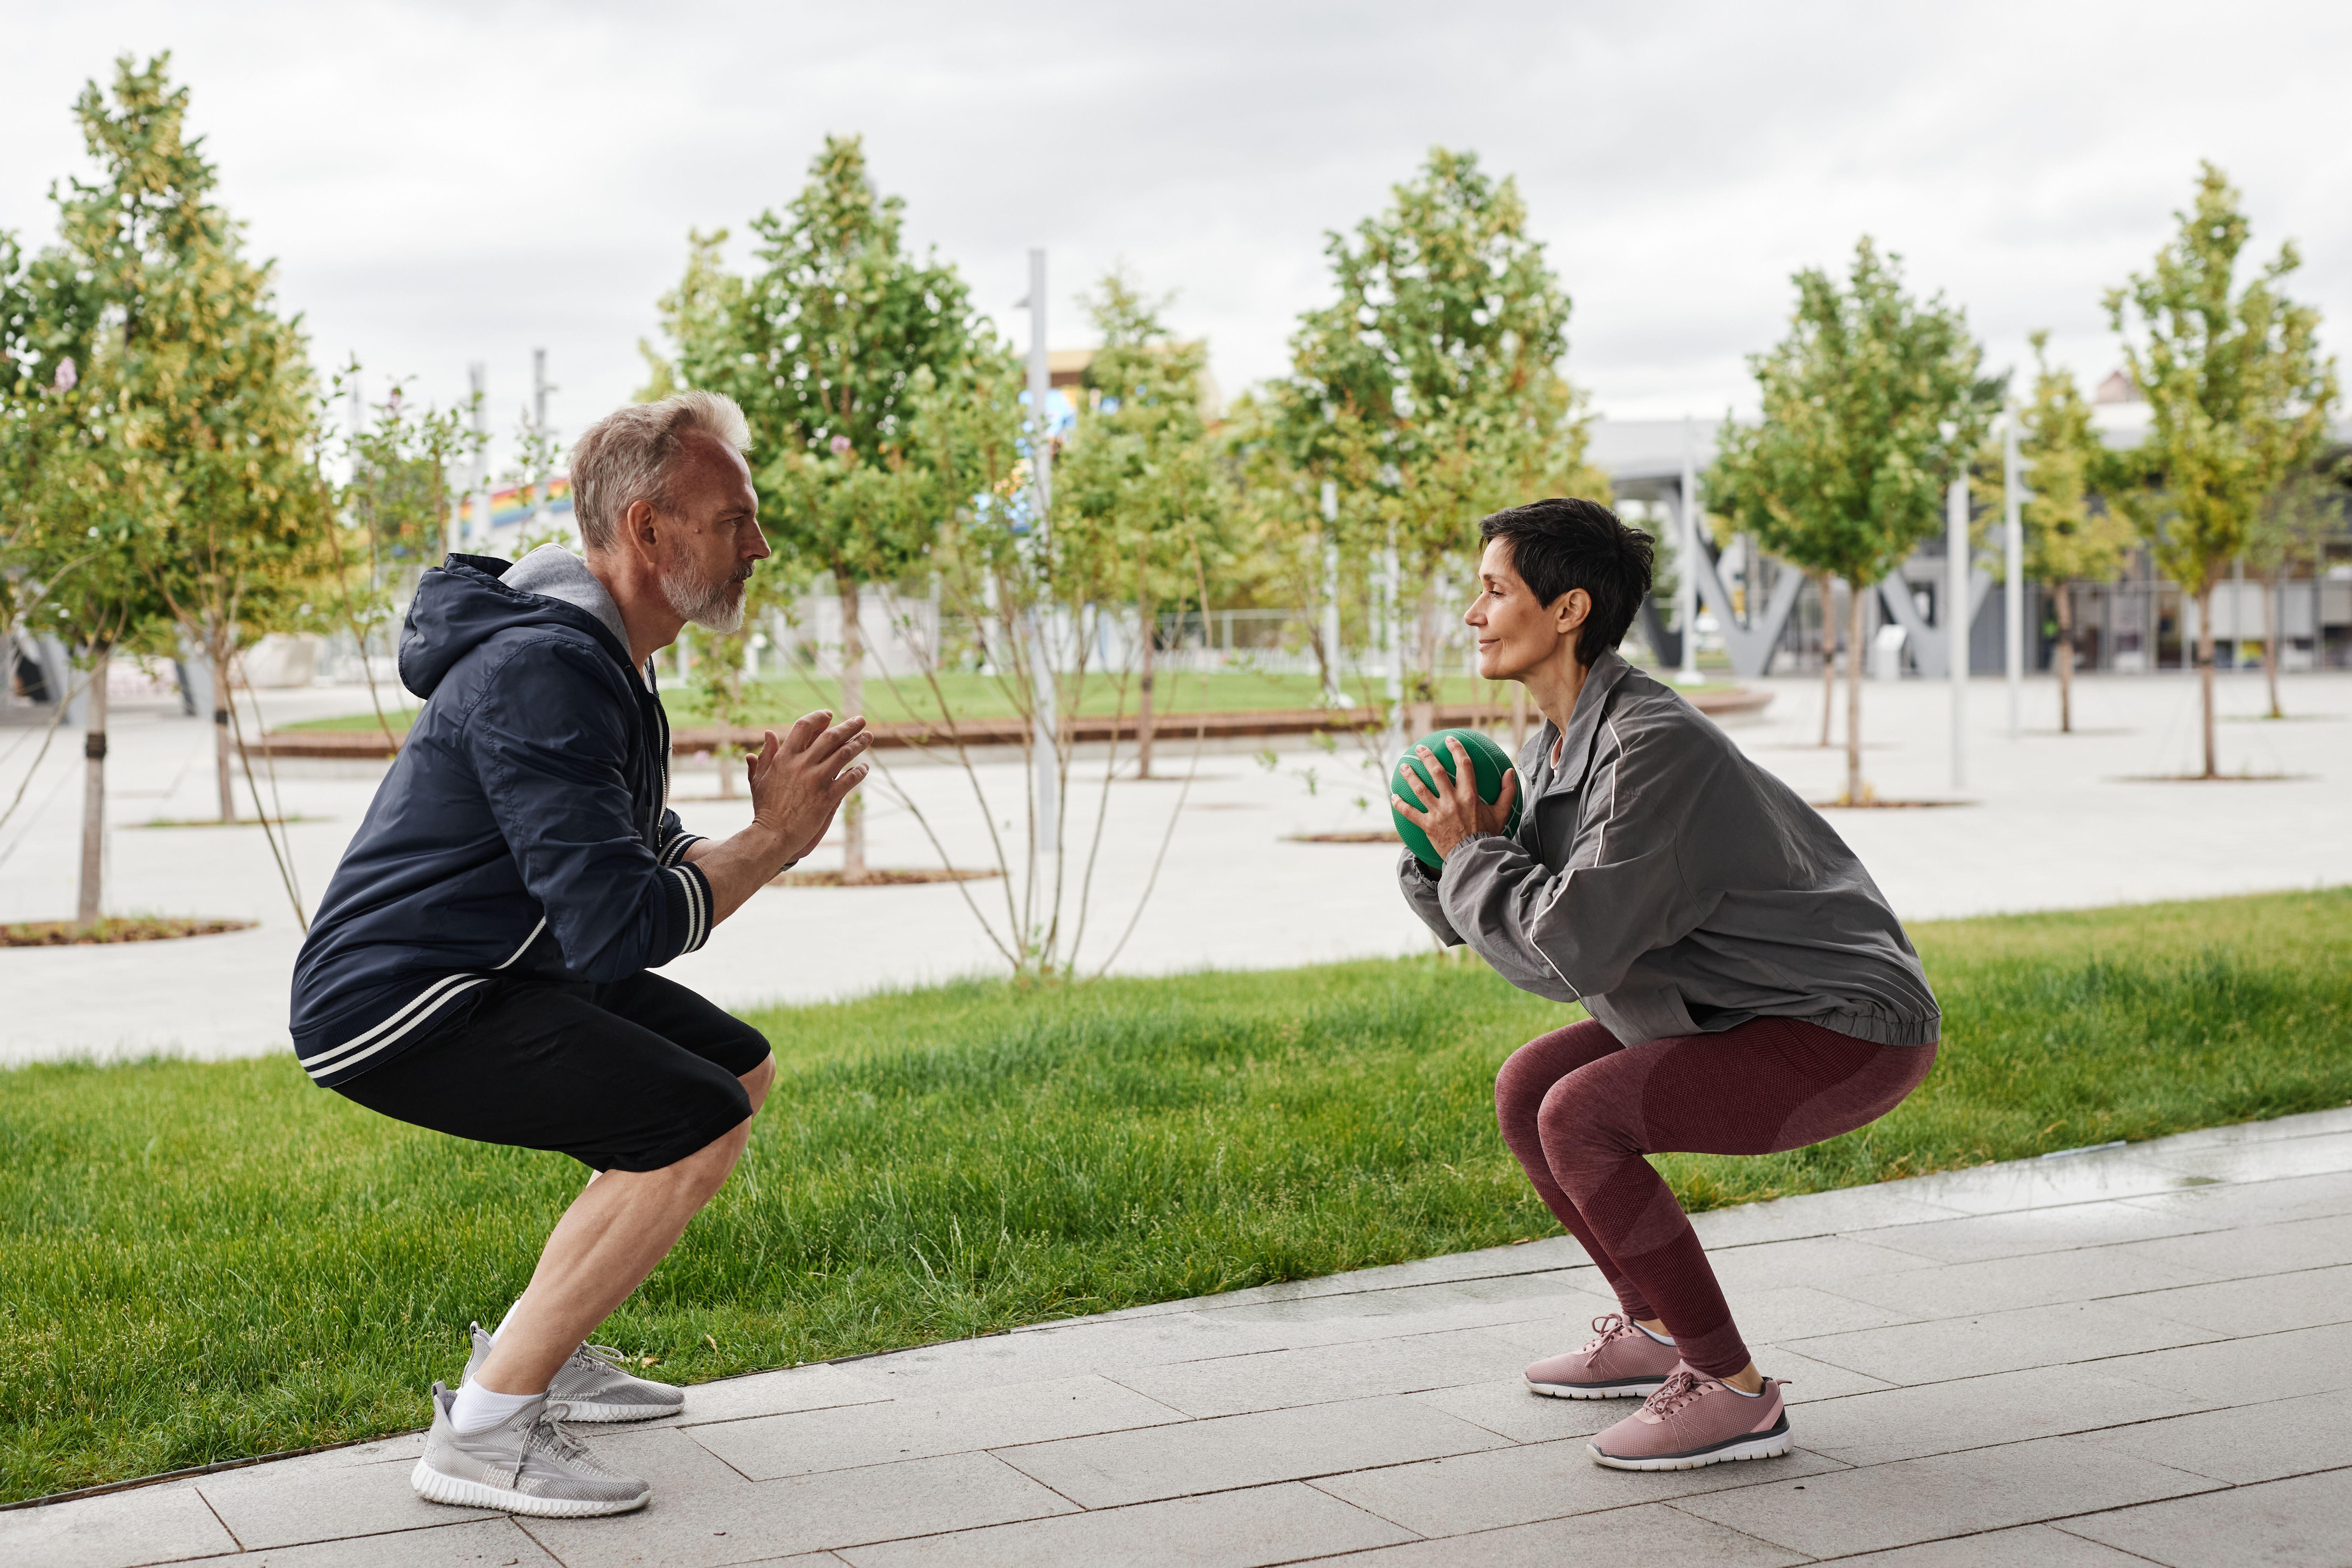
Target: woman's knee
1535	1067
1579	1123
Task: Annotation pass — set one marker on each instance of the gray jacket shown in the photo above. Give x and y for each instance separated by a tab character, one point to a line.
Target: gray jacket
1674	886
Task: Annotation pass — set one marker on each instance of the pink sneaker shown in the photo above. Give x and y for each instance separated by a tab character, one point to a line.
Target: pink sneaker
1691	1421
1623	1361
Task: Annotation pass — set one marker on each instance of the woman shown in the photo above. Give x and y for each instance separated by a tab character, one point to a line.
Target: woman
1749	989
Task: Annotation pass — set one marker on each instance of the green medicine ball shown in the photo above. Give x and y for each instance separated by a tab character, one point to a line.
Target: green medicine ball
1488	763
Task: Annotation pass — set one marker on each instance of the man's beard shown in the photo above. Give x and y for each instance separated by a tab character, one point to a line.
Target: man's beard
714	604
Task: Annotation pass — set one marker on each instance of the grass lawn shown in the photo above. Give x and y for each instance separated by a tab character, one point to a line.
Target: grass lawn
210	1260
780	699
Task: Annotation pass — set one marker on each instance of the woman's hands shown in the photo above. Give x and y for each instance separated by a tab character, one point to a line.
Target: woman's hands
1453	811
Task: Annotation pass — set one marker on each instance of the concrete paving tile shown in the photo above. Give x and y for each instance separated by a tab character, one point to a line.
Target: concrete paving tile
808	1513
495	1543
2265	1161
1234	1385
2267	1305
1849	1209
2029	1546
271	1506
1505	1407
2248	1371
2245	1252
1226	1530
2308	1520
816	1387
2257	1203
1247	1450
1978	1412
1655	1536
1458	1496
2251	1442
2307	1124
2003	1284
153	1524
1926	1500
1472	1304
1814	1260
2000	1341
2017	1184
923	1424
1809	1380
672	1460
2029	1231
1788	1313
1072	1350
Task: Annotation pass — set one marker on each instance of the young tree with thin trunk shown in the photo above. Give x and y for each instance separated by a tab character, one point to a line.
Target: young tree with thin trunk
1827	583
2238	395
2070	536
1138	492
1432	379
2293	523
1871	404
821	348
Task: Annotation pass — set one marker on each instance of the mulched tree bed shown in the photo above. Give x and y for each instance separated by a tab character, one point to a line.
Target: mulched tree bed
69	933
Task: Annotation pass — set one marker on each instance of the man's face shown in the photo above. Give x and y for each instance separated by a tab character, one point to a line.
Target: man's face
711	539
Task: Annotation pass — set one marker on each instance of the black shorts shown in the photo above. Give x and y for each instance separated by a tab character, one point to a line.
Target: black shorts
633	1076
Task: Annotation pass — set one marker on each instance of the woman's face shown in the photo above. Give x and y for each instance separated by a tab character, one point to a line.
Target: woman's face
1516	631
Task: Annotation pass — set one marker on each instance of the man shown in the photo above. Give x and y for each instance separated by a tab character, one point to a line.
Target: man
479	964
1750	991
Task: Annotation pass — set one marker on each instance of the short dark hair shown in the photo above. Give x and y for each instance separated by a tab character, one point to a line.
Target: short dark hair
1560	543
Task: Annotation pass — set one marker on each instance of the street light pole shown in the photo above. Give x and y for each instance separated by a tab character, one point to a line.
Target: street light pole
539	391
1332	693
478	374
1956	620
1686	587
1045	786
2012	560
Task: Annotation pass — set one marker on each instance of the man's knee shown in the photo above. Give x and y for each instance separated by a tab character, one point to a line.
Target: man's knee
759	1080
705	1170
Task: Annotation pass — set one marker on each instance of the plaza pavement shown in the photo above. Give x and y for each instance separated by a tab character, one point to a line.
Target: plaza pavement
2053	823
2135	1355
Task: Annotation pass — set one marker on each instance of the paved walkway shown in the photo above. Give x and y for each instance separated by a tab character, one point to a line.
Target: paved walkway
2056	823
2135	1355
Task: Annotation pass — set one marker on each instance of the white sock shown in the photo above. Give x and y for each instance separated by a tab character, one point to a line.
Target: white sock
1662	1339
478	1409
503	1321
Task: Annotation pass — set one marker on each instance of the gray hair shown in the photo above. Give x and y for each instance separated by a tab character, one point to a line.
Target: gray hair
625	456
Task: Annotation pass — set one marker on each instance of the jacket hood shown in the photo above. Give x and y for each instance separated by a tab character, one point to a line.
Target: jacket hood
465	601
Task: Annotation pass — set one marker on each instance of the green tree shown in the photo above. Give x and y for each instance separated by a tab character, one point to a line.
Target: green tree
1430	389
822	348
2295	520
2070	536
1872	405
2238	395
1139	490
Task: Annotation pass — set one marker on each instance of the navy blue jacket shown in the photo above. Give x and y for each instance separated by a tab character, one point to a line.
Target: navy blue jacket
523	830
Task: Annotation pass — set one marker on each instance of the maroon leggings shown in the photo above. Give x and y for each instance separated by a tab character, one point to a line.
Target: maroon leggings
1580	1111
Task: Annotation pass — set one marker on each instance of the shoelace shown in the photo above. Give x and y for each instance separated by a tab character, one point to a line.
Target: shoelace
550	1436
1679	1389
604	1356
1610	1326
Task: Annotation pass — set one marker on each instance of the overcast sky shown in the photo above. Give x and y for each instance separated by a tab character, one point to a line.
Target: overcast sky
444	182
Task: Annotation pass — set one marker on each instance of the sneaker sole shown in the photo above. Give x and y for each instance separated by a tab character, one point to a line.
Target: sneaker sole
620	1412
1762	1446
435	1487
1640	1388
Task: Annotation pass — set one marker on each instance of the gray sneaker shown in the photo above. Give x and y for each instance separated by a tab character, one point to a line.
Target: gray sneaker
526	1464
592	1387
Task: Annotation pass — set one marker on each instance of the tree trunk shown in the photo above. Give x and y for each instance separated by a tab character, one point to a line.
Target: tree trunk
93	797
2204	657
2271	638
1423	710
216	649
852	702
1828	652
1854	696
2065	602
1147	618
